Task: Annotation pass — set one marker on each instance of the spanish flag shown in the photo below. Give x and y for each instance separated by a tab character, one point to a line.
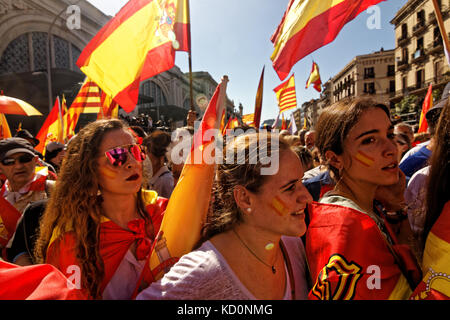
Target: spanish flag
314	78
52	129
436	262
349	257
286	95
259	100
185	214
5	132
308	25
138	43
427	105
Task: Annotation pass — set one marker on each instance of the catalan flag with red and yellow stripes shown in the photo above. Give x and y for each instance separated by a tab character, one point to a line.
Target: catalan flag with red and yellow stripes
138	43
308	25
248	119
286	96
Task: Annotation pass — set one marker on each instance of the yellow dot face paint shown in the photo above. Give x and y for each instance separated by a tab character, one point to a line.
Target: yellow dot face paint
279	206
364	159
107	172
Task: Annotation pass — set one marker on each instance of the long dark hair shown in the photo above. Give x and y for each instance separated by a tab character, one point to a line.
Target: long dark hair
438	191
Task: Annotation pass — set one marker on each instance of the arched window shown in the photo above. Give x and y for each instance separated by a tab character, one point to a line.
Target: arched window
62	55
16	58
39	50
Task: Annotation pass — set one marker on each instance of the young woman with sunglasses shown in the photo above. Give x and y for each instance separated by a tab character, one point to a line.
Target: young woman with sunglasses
355	241
99	225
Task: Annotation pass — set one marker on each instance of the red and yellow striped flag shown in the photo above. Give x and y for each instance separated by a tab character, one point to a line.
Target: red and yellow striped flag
184	216
138	43
109	109
52	129
308	25
286	95
5	132
314	78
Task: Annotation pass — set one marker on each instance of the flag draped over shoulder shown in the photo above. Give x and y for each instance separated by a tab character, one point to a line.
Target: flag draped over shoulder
249	119
5	132
286	96
138	43
52	129
308	25
436	263
185	214
427	105
343	245
259	100
314	78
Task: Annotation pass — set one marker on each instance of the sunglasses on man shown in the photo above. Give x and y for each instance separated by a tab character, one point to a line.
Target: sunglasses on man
119	156
25	158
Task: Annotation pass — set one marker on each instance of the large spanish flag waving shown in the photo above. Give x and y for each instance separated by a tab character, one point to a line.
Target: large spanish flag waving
436	261
286	96
185	214
138	43
308	25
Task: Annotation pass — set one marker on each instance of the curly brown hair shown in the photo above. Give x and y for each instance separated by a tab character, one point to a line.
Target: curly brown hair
75	203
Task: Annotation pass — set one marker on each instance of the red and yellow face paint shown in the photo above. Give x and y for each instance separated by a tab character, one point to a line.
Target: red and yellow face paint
107	172
364	159
279	206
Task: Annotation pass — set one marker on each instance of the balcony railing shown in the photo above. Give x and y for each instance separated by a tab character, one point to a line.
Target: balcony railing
419	28
402	64
403	40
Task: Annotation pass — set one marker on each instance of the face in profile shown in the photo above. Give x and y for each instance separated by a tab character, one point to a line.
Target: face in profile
370	153
119	164
280	204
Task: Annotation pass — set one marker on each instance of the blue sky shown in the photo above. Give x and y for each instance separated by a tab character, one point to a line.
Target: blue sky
232	38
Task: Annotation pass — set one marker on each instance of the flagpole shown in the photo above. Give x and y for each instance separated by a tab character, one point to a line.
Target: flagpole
441	25
191	87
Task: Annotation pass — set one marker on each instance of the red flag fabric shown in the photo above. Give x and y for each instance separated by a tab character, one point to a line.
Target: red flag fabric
286	95
436	263
308	25
427	105
37	282
342	265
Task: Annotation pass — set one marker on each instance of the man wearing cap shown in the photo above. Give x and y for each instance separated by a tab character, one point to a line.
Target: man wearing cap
417	158
23	185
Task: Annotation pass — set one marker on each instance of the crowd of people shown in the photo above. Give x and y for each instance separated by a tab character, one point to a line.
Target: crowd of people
358	209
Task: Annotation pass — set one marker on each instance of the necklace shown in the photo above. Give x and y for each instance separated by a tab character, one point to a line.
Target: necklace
254	254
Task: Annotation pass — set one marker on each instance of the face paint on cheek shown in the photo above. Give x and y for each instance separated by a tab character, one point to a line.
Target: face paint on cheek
279	206
108	172
364	159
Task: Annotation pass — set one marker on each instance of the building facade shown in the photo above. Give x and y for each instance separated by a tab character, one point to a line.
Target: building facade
419	52
371	75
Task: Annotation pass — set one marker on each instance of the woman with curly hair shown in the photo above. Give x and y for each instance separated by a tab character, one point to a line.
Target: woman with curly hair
99	224
251	247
